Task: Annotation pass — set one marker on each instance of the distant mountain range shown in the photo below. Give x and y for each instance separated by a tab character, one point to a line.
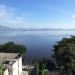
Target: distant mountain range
4	28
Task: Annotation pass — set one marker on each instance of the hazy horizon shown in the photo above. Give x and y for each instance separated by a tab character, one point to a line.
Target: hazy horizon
59	14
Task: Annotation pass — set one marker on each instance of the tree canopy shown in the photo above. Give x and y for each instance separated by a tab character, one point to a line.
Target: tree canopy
44	63
64	53
11	47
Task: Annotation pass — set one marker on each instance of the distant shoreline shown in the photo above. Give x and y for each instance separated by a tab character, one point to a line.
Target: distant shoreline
37	29
3	28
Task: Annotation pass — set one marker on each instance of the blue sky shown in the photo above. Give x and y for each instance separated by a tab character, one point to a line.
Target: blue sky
37	13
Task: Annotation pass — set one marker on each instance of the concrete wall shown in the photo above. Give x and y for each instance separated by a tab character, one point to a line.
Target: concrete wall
5	72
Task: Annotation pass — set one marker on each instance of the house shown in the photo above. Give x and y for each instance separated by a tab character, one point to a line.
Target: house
12	63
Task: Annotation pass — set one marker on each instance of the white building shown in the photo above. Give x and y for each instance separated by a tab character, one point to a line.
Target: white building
12	63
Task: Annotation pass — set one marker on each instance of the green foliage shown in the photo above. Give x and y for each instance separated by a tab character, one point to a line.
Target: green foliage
64	53
11	47
45	72
1	69
43	65
39	66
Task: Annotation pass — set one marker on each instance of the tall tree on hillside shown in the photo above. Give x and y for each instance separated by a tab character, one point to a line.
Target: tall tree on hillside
11	47
64	53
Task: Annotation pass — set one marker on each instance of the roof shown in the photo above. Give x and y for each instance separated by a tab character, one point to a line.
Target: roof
7	57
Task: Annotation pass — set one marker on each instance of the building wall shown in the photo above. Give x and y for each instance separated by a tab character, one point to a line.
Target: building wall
15	68
20	65
10	68
5	72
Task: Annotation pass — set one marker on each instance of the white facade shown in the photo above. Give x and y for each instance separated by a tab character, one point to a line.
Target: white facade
12	63
16	67
20	65
5	72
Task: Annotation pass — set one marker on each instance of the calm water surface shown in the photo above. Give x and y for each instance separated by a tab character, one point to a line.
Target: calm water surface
38	43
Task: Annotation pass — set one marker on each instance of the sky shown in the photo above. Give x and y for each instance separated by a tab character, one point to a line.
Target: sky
38	13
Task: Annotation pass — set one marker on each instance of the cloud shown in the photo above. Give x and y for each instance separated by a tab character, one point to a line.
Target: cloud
6	11
73	16
69	15
12	17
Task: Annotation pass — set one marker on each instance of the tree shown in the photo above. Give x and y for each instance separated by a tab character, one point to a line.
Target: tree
43	65
11	47
1	69
64	53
